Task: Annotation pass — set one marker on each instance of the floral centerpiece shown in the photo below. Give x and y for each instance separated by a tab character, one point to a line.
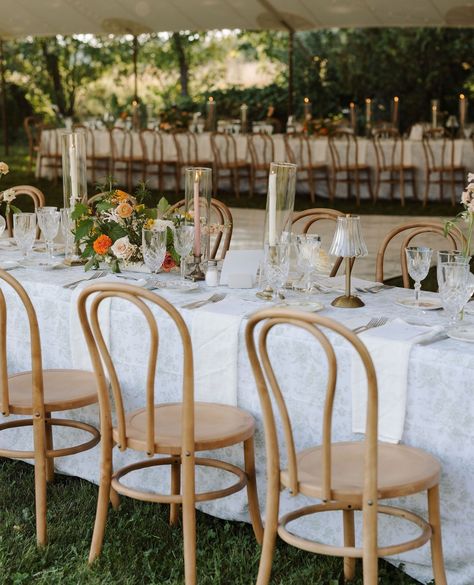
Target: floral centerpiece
465	219
110	230
9	195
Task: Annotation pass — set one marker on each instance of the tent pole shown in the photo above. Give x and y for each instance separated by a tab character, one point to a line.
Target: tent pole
4	99
291	47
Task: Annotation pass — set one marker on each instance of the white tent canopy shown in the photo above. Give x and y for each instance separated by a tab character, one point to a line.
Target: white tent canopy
49	17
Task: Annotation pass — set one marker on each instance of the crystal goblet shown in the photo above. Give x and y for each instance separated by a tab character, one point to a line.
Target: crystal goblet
48	221
154	248
24	231
418	261
183	244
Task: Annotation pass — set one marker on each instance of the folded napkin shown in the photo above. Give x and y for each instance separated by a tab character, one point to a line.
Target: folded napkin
389	347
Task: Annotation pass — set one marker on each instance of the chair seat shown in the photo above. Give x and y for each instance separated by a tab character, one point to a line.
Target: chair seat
397	168
402	471
63	390
359	167
216	426
449	169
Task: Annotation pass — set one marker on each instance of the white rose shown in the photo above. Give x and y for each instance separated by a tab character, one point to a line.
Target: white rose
123	249
470	187
161	224
470	178
470	207
3	168
9	195
466	198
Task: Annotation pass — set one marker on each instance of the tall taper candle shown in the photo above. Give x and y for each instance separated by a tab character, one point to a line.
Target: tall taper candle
73	172
396	100
272	200
307	108
197	216
462	113
353	116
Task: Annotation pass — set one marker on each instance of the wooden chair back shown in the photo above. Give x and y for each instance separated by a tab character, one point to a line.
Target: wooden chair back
273	402
152	146
439	149
298	149
148	304
186	148
35	344
409	231
220	216
224	149
122	145
344	150
91	200
32	126
389	148
262	149
34	194
304	220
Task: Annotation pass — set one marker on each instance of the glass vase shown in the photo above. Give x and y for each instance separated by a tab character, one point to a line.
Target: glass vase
74	158
197	208
280	203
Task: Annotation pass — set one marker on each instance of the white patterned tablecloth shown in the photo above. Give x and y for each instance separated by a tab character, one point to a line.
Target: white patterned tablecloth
440	403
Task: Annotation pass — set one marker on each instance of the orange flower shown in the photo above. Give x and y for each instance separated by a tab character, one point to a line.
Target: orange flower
102	244
168	263
121	195
124	210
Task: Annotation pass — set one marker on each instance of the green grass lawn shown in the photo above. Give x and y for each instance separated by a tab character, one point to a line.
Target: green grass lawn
140	547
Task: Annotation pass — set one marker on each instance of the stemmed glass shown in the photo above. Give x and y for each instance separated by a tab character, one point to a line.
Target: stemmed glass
418	260
24	231
454	282
67	225
277	266
154	248
48	221
183	244
307	247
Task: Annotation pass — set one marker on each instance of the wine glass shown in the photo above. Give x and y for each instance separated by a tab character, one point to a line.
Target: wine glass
418	260
24	231
277	266
67	225
48	221
307	247
454	282
450	256
3	224
154	248
183	244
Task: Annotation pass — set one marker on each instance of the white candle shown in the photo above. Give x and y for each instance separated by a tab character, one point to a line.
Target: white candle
197	216
272	199
462	111
73	172
395	111
352	108
434	113
307	108
368	112
211	114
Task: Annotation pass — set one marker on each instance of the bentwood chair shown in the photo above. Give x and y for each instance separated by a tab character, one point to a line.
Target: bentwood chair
127	154
226	161
347	167
220	230
36	394
408	231
441	164
159	162
49	152
300	151
303	221
175	431
36	196
262	153
391	168
186	144
32	126
343	476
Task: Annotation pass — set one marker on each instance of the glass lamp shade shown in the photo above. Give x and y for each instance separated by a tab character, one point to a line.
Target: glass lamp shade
348	241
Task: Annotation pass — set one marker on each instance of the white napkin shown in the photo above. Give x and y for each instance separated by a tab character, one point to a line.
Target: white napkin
389	347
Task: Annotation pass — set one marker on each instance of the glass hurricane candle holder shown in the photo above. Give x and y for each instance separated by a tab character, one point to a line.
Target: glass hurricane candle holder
280	201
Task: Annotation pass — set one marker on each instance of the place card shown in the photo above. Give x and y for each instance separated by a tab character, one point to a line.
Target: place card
240	262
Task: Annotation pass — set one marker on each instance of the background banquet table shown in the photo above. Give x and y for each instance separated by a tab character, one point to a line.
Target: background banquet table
413	155
440	409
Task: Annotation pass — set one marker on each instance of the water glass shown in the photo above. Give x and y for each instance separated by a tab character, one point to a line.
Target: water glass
67	226
418	261
454	282
24	231
277	266
183	244
154	248
450	256
307	248
48	221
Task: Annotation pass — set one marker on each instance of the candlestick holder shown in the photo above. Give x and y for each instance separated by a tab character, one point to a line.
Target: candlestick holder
196	273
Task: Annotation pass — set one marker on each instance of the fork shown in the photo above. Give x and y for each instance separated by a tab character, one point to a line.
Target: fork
197	304
98	274
374	322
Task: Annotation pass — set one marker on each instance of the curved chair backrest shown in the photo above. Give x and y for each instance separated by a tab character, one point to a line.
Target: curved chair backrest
409	231
220	216
344	149
224	148
389	148
304	220
147	304
122	145
152	145
98	196
439	149
261	148
33	193
298	149
273	402
186	147
35	344
32	126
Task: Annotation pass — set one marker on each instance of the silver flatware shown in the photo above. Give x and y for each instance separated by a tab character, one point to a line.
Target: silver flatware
197	304
374	322
98	274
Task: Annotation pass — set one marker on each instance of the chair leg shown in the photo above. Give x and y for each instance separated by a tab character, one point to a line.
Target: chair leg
114	499
427	188
349	540
39	431
270	531
436	543
49	446
370	557
175	489
413	184
357	188
189	520
369	185
103	497
312	190
402	187
377	186
252	493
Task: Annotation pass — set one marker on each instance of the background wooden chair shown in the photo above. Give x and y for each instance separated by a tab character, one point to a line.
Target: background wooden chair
176	431
345	160
226	162
441	163
127	154
344	476
33	126
159	163
96	162
408	231
49	152
389	149
300	151
34	194
188	153
37	394
262	153
221	216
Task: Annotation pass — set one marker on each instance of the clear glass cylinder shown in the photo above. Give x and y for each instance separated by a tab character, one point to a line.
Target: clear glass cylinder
280	202
74	159
198	191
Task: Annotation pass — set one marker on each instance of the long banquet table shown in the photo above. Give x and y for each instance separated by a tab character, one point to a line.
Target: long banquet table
439	417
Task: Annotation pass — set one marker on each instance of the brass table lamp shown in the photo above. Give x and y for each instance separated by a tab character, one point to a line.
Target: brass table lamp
348	243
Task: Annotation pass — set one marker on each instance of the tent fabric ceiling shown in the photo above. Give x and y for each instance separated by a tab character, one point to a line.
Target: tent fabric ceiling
49	17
